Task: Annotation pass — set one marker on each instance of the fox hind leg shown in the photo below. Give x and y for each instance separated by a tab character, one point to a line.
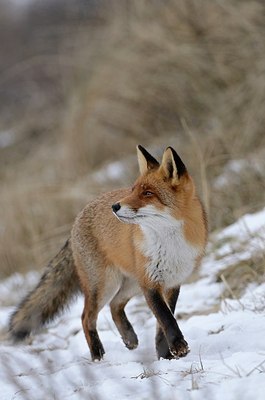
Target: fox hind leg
90	287
99	284
128	289
89	320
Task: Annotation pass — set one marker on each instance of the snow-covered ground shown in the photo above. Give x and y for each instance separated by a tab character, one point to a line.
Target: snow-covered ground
226	338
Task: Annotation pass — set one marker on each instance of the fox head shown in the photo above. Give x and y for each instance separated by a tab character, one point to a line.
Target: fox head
161	192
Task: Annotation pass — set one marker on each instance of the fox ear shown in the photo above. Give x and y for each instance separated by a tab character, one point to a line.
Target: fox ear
145	160
172	166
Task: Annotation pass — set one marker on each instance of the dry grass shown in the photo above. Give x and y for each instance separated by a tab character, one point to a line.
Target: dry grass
239	275
184	73
35	231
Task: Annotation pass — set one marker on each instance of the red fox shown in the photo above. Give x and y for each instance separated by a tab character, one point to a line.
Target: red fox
145	239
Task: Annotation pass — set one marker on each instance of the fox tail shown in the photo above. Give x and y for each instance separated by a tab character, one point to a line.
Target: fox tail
57	286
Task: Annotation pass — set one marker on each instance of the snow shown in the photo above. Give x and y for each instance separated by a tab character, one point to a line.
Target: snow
232	172
240	241
112	171
226	338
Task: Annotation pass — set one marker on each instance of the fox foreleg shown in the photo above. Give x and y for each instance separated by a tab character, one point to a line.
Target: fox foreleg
168	330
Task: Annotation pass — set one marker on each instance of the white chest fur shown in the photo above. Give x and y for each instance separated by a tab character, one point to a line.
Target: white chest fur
172	258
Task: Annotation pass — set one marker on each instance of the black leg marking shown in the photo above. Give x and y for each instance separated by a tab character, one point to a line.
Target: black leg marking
176	345
126	330
96	347
162	348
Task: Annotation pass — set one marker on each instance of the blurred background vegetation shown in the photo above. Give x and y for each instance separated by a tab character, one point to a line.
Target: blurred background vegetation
83	82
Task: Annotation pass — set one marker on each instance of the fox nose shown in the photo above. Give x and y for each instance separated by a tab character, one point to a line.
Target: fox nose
116	207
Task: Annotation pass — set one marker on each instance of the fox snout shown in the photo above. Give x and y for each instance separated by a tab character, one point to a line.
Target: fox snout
116	207
124	213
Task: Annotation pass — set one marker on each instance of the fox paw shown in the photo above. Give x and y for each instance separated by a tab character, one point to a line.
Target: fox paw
180	349
98	353
131	340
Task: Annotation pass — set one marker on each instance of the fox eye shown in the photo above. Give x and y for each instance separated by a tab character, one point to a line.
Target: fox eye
147	193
